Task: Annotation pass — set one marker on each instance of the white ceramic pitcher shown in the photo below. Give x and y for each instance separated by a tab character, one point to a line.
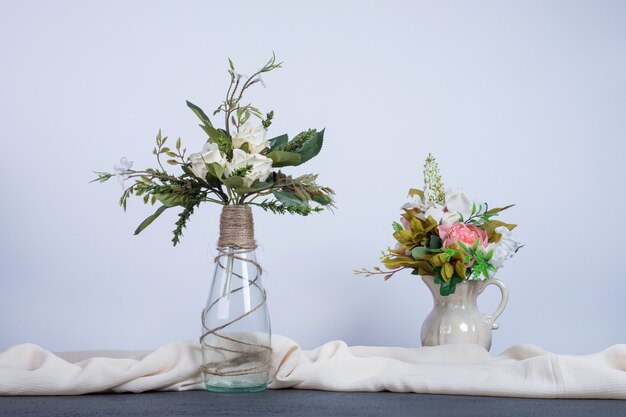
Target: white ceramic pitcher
456	319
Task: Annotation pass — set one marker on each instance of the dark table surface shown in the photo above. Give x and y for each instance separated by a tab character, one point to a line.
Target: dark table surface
296	403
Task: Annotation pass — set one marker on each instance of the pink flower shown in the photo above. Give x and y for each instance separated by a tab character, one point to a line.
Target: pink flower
466	233
405	223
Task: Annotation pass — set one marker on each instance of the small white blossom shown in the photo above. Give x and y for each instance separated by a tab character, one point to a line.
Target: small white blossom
122	169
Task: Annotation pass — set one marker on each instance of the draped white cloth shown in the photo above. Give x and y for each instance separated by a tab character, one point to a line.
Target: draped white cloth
520	371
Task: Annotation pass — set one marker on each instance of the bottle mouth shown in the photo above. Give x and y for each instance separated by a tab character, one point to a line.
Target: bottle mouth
236	228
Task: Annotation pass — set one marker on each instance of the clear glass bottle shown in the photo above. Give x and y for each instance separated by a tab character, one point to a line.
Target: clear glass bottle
236	337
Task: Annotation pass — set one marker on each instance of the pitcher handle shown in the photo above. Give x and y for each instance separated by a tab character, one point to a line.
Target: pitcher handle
505	299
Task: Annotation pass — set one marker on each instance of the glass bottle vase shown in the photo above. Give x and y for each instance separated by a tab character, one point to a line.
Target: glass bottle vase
236	337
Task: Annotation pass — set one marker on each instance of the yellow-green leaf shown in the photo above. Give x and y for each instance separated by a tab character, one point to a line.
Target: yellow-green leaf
460	269
447	270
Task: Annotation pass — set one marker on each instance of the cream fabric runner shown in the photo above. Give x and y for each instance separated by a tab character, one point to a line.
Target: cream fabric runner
521	371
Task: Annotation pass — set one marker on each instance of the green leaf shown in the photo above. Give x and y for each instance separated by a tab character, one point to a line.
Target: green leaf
255	186
215	170
278	141
187	170
435	242
451	288
438	279
214	134
397	226
288	199
283	159
311	147
320	199
150	219
463	246
497	210
200	113
418	252
234	182
170	200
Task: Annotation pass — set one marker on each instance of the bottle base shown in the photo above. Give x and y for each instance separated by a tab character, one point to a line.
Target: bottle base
235	390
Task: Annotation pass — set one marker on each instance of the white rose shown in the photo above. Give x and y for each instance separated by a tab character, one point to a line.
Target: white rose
210	154
253	135
457	204
261	166
504	249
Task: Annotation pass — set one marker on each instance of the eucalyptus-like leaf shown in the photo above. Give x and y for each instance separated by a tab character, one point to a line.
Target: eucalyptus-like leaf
200	114
150	219
213	133
418	252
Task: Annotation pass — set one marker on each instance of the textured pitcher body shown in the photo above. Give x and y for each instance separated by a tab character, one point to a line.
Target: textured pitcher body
456	318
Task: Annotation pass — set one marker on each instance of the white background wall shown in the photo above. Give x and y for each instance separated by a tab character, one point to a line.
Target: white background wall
522	102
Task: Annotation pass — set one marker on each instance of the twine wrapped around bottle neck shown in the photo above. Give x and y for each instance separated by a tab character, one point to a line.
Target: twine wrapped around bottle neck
236	228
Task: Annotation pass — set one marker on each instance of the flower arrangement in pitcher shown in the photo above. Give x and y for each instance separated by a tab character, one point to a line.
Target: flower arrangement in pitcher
447	236
236	165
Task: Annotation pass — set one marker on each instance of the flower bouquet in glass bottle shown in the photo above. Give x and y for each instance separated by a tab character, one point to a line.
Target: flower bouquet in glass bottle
238	167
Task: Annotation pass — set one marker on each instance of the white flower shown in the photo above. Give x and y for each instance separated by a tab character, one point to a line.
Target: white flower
416	201
504	249
436	212
458	205
260	166
210	154
121	170
124	166
253	135
426	208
